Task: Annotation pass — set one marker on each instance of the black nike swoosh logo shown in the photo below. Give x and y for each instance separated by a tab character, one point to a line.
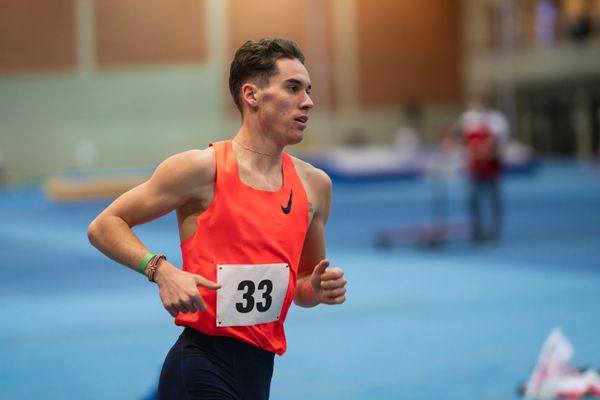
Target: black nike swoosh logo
288	208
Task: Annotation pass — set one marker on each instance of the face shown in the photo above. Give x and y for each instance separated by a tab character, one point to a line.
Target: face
283	105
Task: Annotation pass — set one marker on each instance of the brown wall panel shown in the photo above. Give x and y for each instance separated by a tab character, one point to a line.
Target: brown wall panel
268	18
409	50
150	31
36	35
260	18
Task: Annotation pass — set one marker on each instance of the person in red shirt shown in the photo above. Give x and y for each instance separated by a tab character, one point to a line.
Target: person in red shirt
251	222
484	131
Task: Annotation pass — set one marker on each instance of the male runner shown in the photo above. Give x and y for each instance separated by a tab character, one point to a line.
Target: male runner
251	223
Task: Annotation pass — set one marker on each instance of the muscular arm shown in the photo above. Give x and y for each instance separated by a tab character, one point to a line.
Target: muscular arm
181	178
316	284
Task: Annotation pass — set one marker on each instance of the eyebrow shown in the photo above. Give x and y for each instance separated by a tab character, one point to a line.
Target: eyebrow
298	82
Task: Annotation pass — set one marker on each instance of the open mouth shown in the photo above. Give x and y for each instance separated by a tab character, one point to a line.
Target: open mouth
303	119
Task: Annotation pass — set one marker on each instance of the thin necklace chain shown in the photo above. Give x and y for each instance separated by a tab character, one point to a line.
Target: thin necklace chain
255	151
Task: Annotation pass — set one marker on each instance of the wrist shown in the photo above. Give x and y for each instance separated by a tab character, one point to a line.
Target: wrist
162	273
306	295
144	262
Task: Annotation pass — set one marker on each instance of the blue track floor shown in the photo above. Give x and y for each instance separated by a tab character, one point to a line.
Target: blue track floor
456	322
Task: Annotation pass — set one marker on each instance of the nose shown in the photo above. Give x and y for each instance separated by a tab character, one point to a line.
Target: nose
307	102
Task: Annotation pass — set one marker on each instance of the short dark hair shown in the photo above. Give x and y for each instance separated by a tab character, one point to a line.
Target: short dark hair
256	60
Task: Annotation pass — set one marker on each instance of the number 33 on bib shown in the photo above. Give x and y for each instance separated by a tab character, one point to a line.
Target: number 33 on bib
250	294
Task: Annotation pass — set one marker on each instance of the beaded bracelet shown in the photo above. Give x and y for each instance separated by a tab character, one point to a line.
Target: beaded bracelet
153	266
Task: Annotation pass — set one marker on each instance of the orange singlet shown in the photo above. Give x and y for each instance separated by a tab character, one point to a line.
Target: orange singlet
250	242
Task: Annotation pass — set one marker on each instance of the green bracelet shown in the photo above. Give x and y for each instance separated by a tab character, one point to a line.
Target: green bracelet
145	261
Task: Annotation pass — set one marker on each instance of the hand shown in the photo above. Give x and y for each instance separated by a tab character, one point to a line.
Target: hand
328	284
179	289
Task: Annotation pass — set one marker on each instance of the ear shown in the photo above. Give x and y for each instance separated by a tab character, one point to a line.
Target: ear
249	94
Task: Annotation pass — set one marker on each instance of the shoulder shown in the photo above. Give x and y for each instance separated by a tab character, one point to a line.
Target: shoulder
191	161
318	187
188	169
315	178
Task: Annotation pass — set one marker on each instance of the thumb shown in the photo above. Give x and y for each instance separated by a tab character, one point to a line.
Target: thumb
321	267
202	281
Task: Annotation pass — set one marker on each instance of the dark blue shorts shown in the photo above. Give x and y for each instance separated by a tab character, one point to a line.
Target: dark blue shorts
201	366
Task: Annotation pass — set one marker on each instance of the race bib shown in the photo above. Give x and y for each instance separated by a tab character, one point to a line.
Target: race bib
250	294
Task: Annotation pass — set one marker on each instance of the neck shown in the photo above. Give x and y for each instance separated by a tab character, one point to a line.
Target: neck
259	167
253	140
252	150
257	153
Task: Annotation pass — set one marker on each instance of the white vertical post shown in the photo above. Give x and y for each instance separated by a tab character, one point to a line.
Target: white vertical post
504	75
217	28
85	37
346	73
316	43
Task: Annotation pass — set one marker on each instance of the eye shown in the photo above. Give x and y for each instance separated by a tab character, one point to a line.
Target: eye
294	88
